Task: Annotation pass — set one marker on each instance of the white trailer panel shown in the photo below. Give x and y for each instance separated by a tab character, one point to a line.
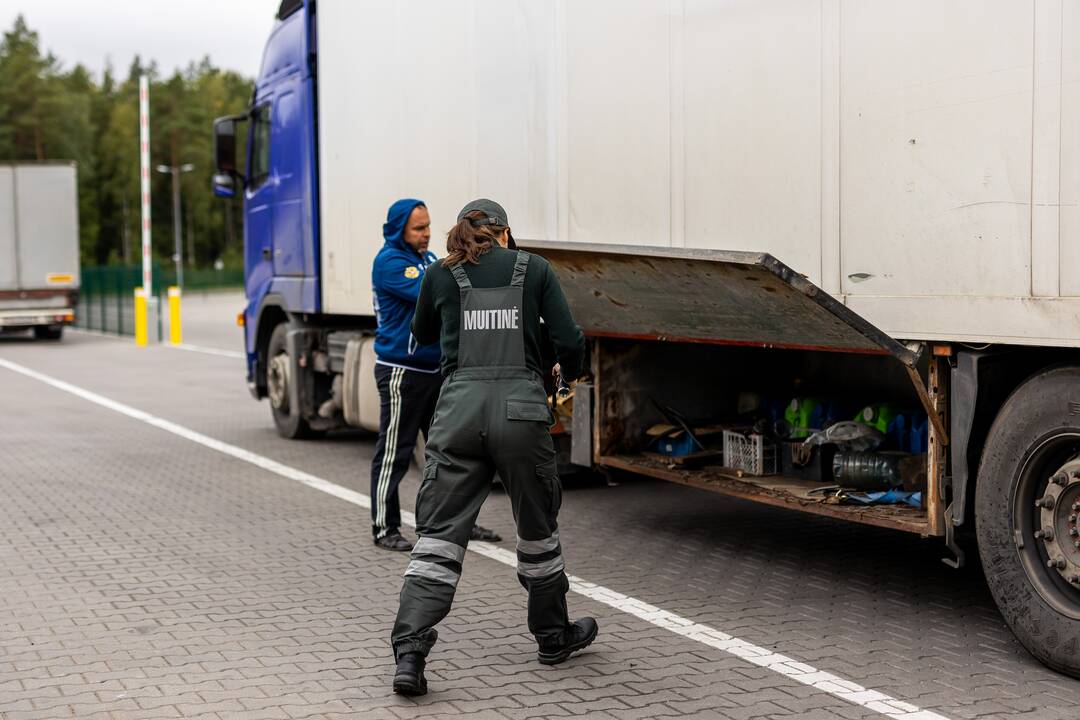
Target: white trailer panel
617	122
47	225
917	160
418	100
9	260
39	226
936	148
1064	206
753	128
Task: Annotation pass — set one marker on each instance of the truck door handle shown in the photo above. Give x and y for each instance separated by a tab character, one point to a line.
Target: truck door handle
266	253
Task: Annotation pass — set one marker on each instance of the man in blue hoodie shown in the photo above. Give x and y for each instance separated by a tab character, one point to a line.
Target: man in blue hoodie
406	373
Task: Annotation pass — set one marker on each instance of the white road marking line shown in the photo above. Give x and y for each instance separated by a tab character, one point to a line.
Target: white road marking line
208	350
778	663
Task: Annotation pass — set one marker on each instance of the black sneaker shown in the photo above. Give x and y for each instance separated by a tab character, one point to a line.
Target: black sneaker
393	541
409	677
577	637
479	532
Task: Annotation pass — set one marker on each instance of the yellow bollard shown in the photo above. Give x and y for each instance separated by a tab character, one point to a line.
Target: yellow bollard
140	317
175	333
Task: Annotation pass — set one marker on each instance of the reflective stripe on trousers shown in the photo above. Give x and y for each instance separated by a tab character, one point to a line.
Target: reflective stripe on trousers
539	558
430	558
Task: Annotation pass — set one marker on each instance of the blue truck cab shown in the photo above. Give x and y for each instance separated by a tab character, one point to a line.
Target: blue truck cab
277	180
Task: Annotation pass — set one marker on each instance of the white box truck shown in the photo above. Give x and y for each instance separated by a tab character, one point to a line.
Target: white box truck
760	210
39	248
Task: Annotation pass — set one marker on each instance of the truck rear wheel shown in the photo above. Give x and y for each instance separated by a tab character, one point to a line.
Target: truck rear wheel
290	424
1027	502
48	332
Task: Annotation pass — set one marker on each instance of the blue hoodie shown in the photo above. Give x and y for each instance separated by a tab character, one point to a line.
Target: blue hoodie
396	276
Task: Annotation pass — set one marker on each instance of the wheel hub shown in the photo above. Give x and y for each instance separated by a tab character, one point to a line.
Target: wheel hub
277	383
1059	510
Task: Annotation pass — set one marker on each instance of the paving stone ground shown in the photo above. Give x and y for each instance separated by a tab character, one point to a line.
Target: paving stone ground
145	576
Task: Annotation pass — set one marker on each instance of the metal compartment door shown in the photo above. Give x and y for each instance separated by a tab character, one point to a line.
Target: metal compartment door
706	296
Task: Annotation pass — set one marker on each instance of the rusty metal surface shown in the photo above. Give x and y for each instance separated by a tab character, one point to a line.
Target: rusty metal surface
935	418
709	296
776	491
938	393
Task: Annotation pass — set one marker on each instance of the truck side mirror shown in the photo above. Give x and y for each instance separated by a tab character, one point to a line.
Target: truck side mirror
225	144
227	177
224	187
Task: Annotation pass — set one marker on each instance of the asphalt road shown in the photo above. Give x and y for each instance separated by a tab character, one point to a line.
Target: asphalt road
164	554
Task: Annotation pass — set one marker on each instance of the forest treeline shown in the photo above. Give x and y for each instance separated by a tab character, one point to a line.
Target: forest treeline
50	112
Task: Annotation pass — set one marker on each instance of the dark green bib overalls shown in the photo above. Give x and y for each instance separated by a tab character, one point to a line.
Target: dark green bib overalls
492	416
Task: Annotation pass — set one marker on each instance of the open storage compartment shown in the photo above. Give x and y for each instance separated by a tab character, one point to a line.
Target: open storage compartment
720	342
634	383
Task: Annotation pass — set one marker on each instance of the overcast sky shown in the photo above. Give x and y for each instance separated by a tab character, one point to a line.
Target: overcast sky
172	32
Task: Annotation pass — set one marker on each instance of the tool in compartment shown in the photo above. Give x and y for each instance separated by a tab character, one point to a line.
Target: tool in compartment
562	390
675	418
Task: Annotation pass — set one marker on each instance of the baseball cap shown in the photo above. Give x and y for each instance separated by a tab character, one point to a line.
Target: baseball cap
493	213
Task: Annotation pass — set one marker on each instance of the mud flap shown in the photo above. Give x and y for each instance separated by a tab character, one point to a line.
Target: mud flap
302	387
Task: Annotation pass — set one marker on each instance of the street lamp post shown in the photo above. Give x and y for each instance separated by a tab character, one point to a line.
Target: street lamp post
175	171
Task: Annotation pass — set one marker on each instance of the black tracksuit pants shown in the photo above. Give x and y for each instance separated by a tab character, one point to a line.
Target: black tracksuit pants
407	401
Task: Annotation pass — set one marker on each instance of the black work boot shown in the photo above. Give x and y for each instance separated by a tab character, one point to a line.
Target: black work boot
578	635
409	677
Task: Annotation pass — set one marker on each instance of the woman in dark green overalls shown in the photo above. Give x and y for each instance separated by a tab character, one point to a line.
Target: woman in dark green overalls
483	303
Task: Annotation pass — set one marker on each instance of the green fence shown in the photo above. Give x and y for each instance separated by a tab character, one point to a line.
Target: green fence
203	279
107	295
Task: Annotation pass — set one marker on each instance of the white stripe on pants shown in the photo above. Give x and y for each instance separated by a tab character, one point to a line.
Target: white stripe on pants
390	450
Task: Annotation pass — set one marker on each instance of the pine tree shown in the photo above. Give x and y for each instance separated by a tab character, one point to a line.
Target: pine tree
48	113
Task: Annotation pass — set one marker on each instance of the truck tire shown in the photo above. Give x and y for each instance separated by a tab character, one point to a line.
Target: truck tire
48	332
287	419
1031	457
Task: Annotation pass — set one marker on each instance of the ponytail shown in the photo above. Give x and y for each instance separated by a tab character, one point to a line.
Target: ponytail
466	242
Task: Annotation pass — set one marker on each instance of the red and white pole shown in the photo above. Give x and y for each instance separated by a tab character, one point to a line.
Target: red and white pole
144	295
144	176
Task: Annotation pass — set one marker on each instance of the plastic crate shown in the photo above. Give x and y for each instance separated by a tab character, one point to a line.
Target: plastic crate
752	454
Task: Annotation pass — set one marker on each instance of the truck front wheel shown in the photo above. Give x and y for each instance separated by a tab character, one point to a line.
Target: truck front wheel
290	424
1027	503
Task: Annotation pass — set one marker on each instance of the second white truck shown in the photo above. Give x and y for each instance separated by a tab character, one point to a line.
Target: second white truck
39	248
